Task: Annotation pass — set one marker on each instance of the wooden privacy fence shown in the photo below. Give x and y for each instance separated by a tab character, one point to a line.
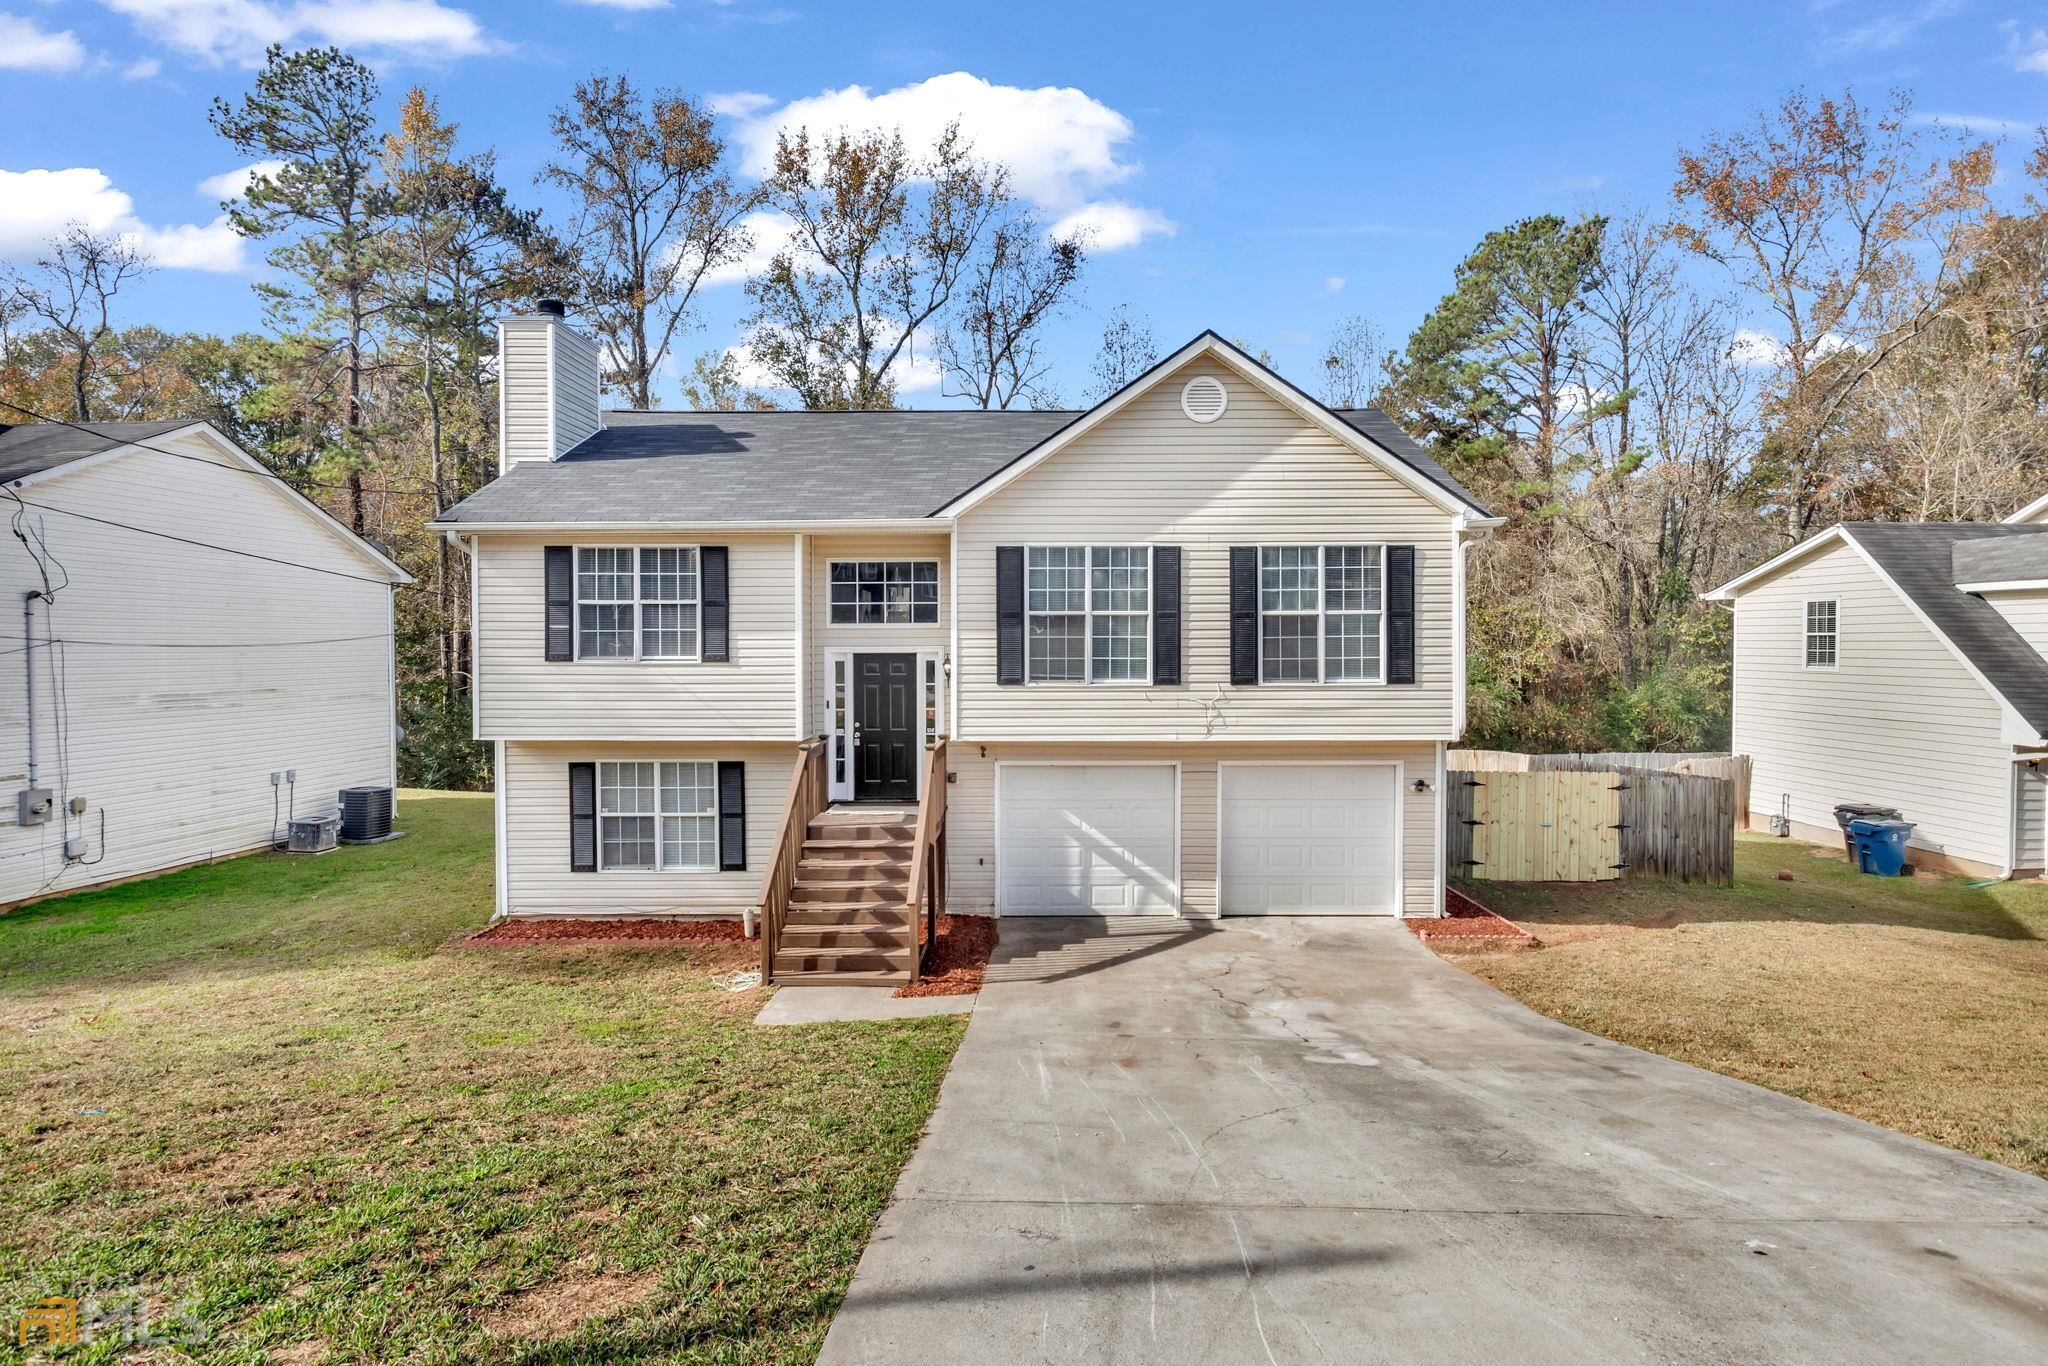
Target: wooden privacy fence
1586	825
1733	767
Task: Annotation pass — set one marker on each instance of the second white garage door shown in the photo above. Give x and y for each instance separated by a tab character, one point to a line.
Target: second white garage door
1309	839
1086	839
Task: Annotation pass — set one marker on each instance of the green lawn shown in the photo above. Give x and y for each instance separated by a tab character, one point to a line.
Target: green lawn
1918	1003
273	1090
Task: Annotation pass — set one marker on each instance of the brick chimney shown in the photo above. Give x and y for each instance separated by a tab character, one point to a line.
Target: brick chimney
548	375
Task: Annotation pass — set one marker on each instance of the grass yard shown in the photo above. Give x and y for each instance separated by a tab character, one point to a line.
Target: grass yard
272	1091
1920	1004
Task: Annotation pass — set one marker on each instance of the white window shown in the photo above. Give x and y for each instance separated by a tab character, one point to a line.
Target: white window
1088	613
657	815
885	592
1320	614
637	603
1822	633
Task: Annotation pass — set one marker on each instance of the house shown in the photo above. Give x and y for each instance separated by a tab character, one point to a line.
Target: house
1195	651
1902	664
188	626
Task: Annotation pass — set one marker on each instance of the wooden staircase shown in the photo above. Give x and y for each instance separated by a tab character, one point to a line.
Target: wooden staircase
854	893
849	920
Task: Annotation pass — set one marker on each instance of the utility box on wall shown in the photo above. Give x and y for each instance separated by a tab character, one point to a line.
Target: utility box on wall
32	806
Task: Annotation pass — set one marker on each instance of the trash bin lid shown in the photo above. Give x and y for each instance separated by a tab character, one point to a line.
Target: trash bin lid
1880	827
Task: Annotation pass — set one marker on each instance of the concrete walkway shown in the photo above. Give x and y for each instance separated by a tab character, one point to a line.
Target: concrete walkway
1312	1141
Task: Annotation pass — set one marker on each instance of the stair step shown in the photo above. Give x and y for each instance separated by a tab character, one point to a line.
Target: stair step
877	893
852	870
886	978
842	936
842	960
878	917
905	833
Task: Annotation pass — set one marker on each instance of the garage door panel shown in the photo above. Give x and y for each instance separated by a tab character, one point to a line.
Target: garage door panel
1086	840
1309	839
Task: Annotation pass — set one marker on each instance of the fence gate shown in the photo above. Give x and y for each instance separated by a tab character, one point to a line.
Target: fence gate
1536	827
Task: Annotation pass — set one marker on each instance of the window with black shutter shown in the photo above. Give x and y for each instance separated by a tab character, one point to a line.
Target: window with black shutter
559	585
732	815
583	818
717	604
1400	614
1166	614
1244	614
1010	614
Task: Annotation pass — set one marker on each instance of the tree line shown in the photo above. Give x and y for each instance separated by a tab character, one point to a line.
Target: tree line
1600	380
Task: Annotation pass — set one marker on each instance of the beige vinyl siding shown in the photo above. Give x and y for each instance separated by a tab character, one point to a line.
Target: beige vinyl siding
1259	475
523	360
578	383
821	635
537	876
1899	721
2027	610
521	695
971	817
173	747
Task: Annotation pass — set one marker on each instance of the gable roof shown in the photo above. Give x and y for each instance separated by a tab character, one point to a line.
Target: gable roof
781	468
1983	562
37	446
708	468
34	451
1918	560
1405	460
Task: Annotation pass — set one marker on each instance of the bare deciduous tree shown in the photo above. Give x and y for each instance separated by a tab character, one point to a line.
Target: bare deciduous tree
1128	349
1018	282
1354	363
71	291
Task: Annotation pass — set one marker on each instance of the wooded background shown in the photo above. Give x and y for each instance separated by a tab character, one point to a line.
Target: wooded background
1832	317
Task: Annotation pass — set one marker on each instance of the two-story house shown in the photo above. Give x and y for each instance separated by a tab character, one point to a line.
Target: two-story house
1195	651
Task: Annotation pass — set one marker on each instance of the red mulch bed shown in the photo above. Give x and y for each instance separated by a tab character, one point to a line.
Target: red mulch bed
1466	922
958	957
567	931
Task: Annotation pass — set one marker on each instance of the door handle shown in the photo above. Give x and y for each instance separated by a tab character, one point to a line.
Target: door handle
856	733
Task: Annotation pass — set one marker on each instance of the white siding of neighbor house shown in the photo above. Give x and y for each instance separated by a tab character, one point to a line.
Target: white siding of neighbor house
2027	611
536	855
174	747
1259	475
1899	722
971	815
822	635
2032	852
521	695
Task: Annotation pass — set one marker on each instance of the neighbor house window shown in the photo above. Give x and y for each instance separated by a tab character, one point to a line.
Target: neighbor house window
1088	613
657	816
885	592
1822	637
636	603
1320	613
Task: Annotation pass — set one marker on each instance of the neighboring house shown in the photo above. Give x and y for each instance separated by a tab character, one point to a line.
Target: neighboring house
1902	664
1198	649
185	625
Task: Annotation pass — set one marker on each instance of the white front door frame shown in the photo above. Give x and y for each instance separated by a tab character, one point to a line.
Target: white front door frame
837	725
1400	816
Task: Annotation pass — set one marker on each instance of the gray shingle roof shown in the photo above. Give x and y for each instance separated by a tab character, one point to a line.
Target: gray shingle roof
1920	558
2001	559
713	468
38	446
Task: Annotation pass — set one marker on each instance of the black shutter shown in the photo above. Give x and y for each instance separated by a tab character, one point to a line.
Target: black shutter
583	818
1244	614
559	577
1166	614
732	815
1400	614
715	583
1009	614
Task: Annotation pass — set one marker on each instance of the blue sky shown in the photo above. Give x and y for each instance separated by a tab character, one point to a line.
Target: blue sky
1263	170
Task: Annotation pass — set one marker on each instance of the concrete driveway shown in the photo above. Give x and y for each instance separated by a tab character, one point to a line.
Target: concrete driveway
1312	1141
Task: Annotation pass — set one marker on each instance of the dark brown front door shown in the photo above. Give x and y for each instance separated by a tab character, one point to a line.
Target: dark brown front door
885	722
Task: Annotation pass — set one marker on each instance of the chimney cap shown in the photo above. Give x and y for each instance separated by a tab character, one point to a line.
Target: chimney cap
552	307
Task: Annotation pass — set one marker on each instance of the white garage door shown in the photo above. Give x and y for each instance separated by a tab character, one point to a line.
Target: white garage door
1095	839
1310	839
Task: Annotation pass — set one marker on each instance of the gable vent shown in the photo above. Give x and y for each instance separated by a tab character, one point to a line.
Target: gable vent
1204	398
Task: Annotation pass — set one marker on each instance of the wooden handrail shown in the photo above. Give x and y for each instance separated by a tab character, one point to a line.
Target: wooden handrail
928	860
807	797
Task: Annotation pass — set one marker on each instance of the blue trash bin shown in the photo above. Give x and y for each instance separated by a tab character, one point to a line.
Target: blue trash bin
1881	846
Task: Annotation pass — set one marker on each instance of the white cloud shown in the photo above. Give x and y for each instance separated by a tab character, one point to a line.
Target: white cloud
770	232
1753	347
916	372
1062	146
738	104
37	205
238	30
1974	123
1112	225
1332	284
623	4
142	69
234	184
26	46
1884	32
